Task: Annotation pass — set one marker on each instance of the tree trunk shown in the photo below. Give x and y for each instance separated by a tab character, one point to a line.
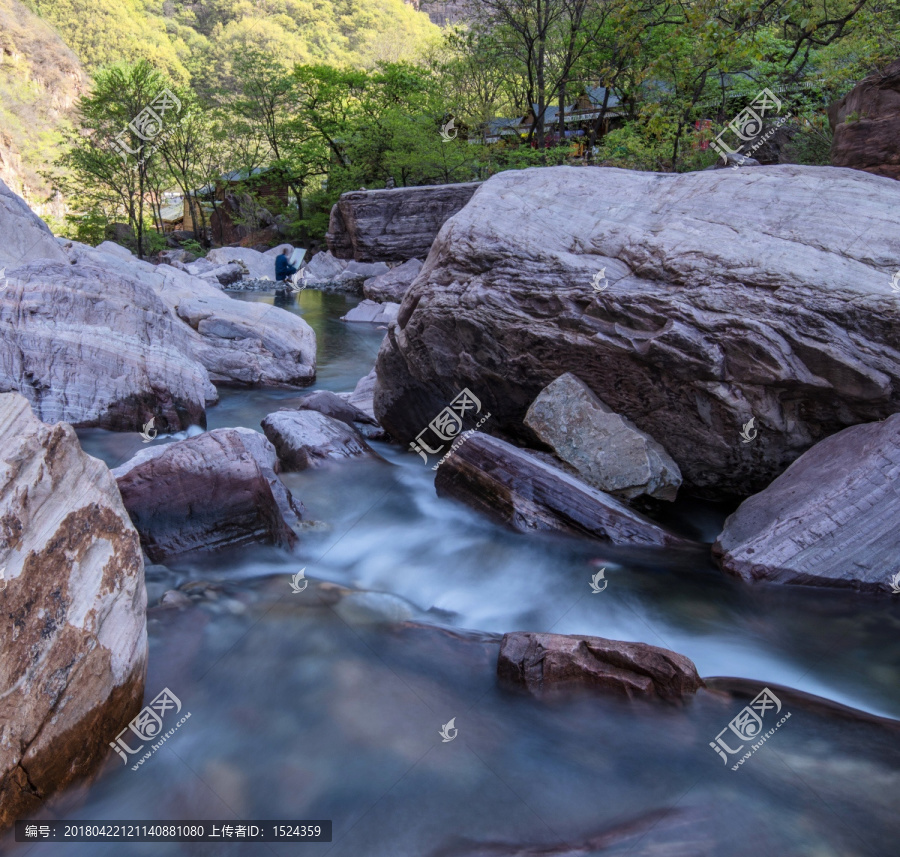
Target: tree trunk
595	126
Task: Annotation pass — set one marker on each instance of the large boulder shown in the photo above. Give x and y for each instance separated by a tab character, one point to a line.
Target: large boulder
95	347
73	644
608	451
393	225
677	299
242	342
323	270
393	285
866	125
26	238
217	490
521	491
830	519
305	439
258	264
551	664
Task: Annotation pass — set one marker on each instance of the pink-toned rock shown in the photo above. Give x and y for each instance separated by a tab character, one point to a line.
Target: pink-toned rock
547	664
217	490
73	637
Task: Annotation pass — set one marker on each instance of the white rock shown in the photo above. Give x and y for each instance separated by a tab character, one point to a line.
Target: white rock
24	237
258	264
373	312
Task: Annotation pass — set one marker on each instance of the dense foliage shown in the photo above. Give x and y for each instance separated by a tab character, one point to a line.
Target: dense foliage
340	95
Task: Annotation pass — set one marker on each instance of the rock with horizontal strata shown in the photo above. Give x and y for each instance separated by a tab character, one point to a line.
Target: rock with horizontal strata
521	491
73	640
724	295
305	439
550	664
830	519
607	450
393	225
240	342
217	490
94	347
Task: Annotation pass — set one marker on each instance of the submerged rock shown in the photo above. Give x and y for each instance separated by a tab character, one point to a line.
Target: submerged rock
392	286
393	225
547	664
73	645
676	298
831	519
373	312
216	490
608	451
306	439
523	492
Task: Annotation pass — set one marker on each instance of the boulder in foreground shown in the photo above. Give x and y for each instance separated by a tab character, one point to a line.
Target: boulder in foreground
305	439
73	638
831	519
519	490
217	490
549	664
703	315
608	451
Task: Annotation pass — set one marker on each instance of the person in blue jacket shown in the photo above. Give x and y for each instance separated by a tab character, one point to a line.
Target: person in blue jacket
283	267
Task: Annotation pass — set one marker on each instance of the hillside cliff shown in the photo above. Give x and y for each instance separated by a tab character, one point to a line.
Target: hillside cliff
40	80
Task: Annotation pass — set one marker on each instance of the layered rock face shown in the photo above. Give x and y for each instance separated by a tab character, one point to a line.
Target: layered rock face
95	347
866	125
73	644
393	225
103	339
217	490
548	664
687	303
830	519
515	488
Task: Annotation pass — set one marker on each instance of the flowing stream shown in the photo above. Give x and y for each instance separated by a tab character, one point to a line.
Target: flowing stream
328	703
